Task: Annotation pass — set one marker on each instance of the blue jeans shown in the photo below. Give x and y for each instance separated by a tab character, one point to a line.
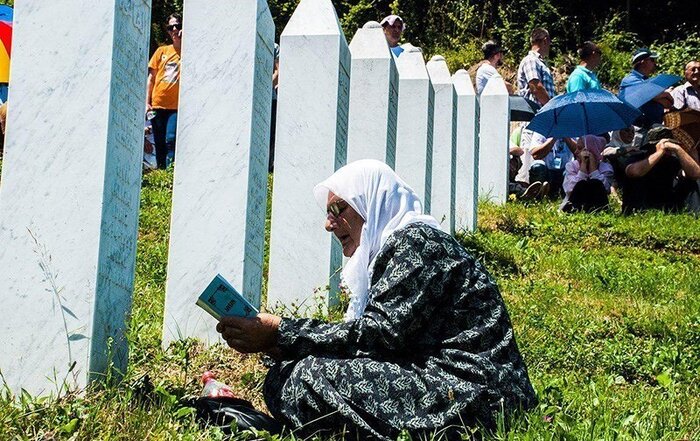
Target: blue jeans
164	134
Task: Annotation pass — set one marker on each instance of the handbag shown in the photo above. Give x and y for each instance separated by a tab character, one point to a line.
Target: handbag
226	413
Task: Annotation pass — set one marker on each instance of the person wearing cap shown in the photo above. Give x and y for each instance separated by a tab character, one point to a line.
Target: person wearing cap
393	28
687	96
535	81
653	178
644	62
493	58
583	77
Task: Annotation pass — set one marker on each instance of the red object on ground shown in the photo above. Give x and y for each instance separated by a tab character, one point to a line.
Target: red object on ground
213	388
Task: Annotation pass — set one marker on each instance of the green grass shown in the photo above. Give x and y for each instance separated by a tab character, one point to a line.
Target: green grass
605	310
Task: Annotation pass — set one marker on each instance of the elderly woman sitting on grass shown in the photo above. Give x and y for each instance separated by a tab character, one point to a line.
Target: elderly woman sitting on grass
426	345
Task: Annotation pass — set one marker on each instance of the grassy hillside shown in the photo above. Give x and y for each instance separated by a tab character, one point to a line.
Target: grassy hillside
605	309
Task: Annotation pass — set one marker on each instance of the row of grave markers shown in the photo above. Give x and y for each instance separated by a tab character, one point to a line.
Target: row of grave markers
69	195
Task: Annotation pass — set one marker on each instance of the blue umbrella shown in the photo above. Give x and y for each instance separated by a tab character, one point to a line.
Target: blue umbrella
586	112
639	94
6	13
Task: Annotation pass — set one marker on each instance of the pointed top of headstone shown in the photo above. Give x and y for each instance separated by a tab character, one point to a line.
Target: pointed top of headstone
369	42
495	86
313	17
409	48
411	64
372	25
438	70
463	83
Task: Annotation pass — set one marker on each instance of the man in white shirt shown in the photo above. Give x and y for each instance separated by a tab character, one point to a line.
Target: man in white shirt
493	58
687	96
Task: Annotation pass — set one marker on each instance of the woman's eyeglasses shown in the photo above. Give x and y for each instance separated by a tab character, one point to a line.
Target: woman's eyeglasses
336	208
173	27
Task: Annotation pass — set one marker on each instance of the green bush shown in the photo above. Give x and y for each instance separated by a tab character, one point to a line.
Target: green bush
462	57
674	55
617	46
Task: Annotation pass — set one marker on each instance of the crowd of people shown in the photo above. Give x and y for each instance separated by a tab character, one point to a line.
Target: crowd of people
643	165
648	165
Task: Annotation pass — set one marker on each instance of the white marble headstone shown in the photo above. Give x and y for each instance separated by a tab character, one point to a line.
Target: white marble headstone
467	153
311	143
69	198
494	117
373	97
414	134
442	195
220	184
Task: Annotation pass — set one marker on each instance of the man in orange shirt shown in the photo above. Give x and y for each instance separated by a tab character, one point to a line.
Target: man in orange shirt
162	91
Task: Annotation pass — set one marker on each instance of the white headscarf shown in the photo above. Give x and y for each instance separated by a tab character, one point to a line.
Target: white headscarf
386	203
616	140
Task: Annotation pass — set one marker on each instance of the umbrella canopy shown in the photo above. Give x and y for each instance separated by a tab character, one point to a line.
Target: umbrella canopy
685	126
6	13
5	42
639	94
585	112
521	108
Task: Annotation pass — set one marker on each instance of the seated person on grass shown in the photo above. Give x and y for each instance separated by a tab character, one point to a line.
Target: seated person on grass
550	156
426	344
519	185
660	175
588	177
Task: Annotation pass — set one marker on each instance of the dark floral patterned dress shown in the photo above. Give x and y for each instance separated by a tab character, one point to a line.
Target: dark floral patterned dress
434	348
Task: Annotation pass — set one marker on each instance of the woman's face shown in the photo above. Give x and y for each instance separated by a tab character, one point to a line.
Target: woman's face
174	28
343	221
627	135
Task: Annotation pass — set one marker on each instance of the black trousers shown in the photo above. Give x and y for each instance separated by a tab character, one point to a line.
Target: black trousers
588	196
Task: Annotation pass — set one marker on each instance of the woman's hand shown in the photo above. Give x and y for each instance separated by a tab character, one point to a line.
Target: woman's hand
247	335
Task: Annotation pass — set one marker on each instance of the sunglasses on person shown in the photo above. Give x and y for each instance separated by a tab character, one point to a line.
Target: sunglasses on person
173	27
336	208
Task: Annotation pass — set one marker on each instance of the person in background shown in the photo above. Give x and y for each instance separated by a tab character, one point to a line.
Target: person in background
535	81
687	96
162	91
587	178
273	115
644	62
583	77
519	167
393	28
550	156
493	58
660	175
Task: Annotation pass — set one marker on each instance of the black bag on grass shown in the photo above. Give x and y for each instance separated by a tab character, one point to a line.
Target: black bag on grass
223	411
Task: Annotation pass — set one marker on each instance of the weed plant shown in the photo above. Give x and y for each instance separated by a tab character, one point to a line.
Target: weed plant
605	309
